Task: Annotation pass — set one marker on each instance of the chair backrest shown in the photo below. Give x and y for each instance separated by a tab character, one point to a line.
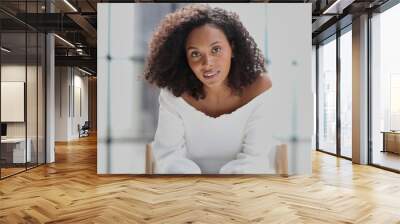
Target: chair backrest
281	160
86	125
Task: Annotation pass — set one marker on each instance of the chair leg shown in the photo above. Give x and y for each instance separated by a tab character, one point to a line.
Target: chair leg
282	159
149	160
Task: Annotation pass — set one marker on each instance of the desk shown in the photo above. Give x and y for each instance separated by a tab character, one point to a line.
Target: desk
391	141
15	148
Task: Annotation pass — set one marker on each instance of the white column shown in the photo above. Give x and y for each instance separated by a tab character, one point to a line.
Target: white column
50	99
360	90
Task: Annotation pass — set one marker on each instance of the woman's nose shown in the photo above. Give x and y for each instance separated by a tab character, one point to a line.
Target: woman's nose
207	60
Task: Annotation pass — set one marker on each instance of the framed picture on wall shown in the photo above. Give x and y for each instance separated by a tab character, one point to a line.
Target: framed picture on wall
12	101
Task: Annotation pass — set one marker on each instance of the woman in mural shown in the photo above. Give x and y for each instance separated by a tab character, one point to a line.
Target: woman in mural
213	115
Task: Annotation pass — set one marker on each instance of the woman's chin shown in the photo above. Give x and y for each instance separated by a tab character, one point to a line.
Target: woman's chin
213	83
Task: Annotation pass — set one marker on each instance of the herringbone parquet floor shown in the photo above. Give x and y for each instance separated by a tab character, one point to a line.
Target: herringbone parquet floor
70	191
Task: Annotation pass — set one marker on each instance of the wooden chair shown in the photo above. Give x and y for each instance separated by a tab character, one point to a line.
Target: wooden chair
281	158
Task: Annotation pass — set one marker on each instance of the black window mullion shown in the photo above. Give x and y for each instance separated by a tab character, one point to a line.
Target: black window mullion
44	75
317	96
26	86
73	91
369	88
338	91
37	89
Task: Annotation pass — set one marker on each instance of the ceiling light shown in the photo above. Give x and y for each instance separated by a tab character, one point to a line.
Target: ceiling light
329	9
64	40
70	5
338	6
79	51
5	49
84	71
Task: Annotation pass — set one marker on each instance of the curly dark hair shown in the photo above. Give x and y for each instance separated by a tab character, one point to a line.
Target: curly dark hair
167	66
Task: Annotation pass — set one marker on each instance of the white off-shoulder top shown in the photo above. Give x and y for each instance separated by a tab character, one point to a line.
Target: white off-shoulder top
187	141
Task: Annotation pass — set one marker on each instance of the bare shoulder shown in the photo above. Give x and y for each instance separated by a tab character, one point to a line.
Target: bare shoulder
261	84
264	82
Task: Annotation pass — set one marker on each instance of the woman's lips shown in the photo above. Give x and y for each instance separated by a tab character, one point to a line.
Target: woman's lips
210	74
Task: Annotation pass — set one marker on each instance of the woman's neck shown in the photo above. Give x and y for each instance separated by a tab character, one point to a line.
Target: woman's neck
217	94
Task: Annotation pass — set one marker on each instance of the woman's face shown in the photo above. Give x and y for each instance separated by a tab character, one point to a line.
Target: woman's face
209	55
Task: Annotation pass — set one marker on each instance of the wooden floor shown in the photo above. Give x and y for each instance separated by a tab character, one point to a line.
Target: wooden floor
5	172
10	171
70	191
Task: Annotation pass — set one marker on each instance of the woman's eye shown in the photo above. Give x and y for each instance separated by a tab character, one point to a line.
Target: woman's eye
194	54
216	50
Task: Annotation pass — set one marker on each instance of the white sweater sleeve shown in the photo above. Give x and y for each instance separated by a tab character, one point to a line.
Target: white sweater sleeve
169	146
257	145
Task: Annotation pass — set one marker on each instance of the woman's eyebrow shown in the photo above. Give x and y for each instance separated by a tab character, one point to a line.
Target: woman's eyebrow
191	47
216	42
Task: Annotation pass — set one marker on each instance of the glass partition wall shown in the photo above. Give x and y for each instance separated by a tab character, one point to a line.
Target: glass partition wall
334	80
385	89
327	95
346	72
13	88
22	77
334	124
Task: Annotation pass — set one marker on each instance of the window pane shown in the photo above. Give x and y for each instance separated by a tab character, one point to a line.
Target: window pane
346	94
31	100
41	98
386	89
327	96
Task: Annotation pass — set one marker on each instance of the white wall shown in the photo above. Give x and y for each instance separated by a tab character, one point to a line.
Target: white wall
68	81
127	157
15	72
33	126
289	52
61	103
